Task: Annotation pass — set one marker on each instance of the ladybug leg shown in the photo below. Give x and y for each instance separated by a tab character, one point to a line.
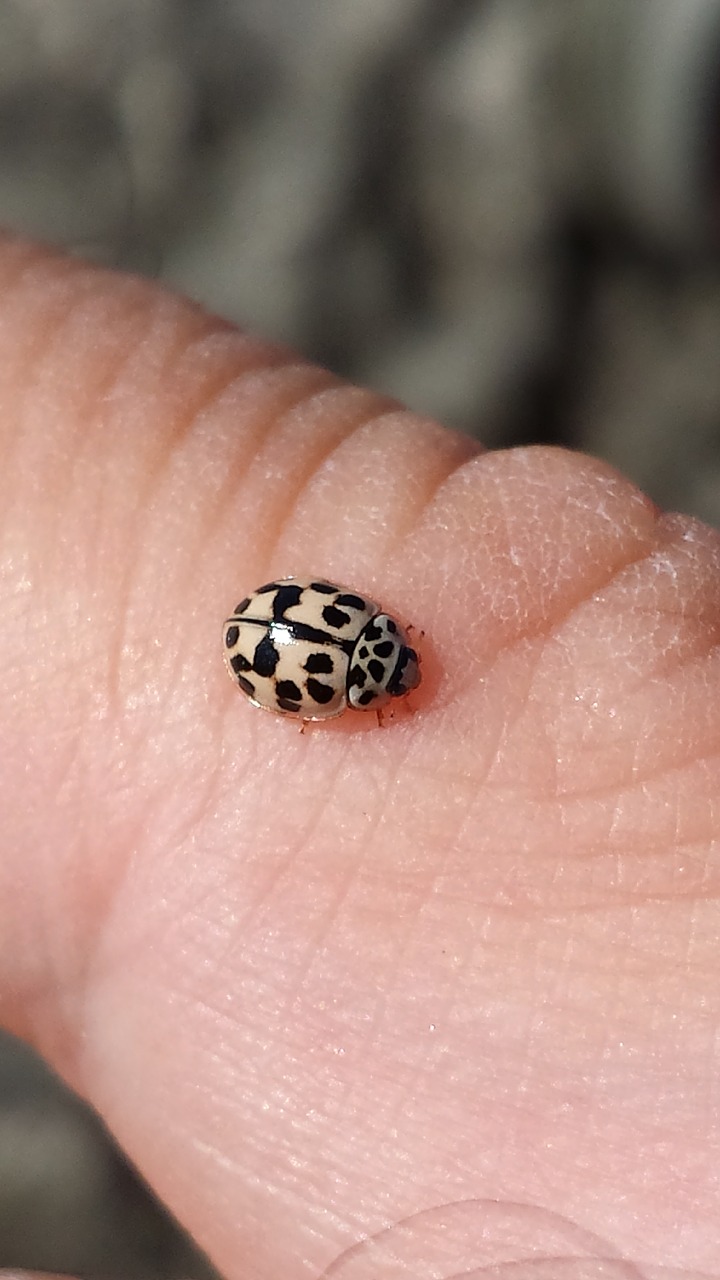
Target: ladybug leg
380	718
410	627
304	724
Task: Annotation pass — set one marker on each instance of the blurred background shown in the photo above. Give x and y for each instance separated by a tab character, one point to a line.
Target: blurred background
505	212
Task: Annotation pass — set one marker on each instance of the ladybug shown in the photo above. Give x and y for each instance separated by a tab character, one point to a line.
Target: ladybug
307	648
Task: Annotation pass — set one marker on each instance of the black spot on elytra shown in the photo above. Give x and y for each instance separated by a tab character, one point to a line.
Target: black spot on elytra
239	663
384	649
266	657
364	652
391	626
319	636
287	691
287	596
351	602
357	676
324	588
285	705
232	635
372	632
319	664
320	692
247	685
242	606
376	669
269	586
335	617
366	697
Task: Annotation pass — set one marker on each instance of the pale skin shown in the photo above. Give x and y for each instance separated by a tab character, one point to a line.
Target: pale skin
437	999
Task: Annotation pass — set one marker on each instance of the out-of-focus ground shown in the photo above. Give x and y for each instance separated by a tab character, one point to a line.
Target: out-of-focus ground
502	211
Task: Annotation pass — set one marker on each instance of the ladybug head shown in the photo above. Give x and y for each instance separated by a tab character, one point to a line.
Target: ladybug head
406	675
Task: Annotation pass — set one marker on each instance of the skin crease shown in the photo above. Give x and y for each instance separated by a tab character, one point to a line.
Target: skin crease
434	1000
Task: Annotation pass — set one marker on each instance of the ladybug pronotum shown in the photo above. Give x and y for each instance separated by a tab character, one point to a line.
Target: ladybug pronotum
306	648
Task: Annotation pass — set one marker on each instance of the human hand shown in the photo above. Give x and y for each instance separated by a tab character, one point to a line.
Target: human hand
434	1000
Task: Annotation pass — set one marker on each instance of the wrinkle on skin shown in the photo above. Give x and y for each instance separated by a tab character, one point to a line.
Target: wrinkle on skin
315	984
